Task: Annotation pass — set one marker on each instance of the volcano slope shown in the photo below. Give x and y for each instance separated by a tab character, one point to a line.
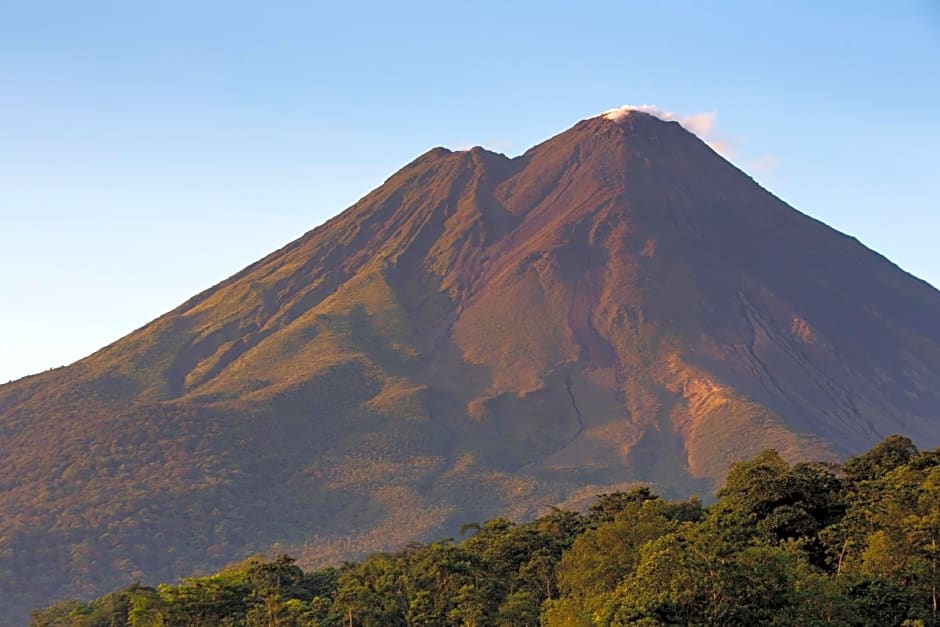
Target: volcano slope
479	336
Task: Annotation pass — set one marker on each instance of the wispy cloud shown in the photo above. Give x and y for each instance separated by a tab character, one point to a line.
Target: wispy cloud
763	167
702	124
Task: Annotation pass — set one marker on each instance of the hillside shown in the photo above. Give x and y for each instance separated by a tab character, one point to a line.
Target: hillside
479	336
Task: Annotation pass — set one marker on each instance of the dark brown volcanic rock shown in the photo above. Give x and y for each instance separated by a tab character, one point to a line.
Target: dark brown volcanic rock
478	336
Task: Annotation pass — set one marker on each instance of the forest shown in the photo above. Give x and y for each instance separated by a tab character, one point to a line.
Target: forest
802	544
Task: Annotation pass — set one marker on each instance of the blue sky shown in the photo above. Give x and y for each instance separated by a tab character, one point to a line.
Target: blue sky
149	150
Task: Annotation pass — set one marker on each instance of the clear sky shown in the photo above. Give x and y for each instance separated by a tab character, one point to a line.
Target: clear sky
149	150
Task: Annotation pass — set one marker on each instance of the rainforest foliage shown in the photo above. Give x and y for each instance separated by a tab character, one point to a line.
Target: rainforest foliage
804	544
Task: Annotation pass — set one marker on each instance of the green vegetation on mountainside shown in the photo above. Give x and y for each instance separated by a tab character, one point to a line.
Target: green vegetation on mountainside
807	544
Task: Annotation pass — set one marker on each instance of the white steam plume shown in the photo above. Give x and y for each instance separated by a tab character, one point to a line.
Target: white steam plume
702	124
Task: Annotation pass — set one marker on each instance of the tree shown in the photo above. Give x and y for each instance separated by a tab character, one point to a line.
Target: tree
270	583
890	453
371	594
600	558
694	577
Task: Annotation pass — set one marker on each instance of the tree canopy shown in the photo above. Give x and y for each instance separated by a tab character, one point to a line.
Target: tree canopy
804	544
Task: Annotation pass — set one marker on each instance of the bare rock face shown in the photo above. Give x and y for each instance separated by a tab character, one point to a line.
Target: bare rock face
479	336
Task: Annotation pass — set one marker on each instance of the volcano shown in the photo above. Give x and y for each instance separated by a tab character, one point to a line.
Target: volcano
479	336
